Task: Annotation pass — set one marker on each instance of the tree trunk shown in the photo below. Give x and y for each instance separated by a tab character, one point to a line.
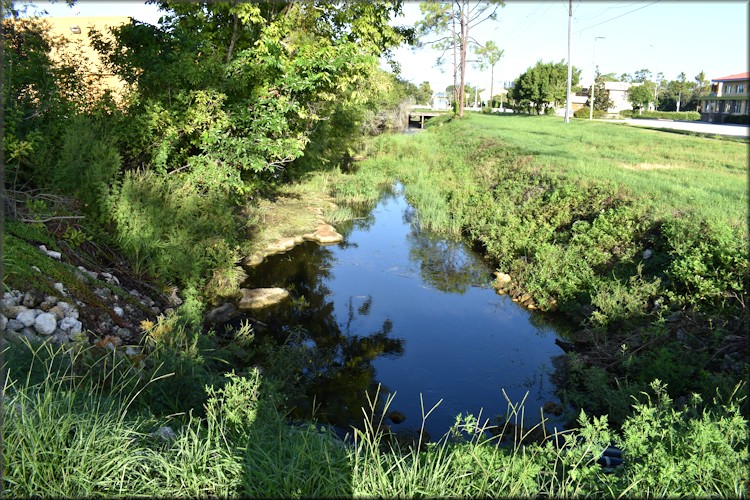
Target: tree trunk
492	87
464	46
235	34
455	64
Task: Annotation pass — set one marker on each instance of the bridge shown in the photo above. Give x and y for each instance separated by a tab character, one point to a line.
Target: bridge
421	116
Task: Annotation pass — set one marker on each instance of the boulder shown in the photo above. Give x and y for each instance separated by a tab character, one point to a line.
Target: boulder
258	298
502	278
27	317
14	311
221	314
45	323
58	312
252	260
283	245
553	408
14	325
324	234
29	300
69	323
396	417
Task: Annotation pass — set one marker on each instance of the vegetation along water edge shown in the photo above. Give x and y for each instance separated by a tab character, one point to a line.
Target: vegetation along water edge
129	218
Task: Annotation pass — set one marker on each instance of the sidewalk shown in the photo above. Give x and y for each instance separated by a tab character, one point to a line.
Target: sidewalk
701	127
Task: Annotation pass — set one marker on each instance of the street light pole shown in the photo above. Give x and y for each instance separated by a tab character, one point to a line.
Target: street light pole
593	84
656	79
570	67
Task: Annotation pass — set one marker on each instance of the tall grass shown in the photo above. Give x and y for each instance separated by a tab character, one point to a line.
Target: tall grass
71	432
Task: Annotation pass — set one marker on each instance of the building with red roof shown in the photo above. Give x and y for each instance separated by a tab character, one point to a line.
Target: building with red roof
728	100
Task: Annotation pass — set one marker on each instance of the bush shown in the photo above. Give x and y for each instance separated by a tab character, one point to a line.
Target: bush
585	111
669	115
172	230
738	119
78	159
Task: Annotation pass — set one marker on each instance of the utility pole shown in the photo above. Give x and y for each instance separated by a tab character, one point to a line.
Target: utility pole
656	79
593	85
570	67
455	64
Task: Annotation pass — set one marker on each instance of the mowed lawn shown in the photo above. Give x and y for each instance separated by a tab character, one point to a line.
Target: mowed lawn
669	172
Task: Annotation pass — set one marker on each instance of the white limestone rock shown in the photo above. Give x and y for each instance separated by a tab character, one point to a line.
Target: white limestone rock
27	317
259	298
45	324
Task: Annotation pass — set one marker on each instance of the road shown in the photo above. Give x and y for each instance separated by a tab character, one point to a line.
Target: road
701	127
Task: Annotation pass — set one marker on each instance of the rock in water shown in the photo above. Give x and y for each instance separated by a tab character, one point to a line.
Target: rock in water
324	234
221	314
258	298
396	417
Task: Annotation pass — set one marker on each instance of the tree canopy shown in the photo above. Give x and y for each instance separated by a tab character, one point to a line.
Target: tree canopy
452	23
489	55
544	85
229	91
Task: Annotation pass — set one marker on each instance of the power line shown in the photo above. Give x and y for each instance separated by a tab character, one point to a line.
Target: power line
548	42
617	17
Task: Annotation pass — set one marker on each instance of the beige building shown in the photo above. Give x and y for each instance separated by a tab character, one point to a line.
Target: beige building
729	96
76	32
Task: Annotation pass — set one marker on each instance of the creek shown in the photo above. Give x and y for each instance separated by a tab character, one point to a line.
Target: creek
412	311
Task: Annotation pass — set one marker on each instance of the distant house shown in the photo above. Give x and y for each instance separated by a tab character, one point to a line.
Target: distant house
729	96
440	101
618	93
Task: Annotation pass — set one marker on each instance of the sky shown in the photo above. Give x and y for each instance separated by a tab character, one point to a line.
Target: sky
666	36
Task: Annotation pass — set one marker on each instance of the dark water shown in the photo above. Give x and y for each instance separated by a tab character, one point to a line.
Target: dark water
397	306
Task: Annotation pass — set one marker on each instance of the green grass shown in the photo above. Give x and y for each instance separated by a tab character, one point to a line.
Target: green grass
83	433
668	172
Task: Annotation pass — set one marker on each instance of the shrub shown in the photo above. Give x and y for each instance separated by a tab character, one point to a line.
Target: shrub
172	230
585	111
86	164
709	262
738	119
670	115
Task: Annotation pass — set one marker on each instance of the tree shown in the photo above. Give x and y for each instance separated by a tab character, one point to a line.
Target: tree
489	55
611	77
424	93
543	85
640	96
229	93
702	83
452	24
469	91
681	87
640	76
602	102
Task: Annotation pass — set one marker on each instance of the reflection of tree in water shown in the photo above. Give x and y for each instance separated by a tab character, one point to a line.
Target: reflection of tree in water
445	264
338	369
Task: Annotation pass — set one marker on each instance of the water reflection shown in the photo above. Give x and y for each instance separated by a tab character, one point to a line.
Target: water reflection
395	305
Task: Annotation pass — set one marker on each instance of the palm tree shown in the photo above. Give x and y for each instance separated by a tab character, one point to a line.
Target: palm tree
489	55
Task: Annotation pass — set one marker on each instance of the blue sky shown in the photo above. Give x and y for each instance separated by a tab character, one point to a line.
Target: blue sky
667	35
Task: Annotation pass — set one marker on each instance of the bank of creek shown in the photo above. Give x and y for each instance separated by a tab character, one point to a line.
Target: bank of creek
416	313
